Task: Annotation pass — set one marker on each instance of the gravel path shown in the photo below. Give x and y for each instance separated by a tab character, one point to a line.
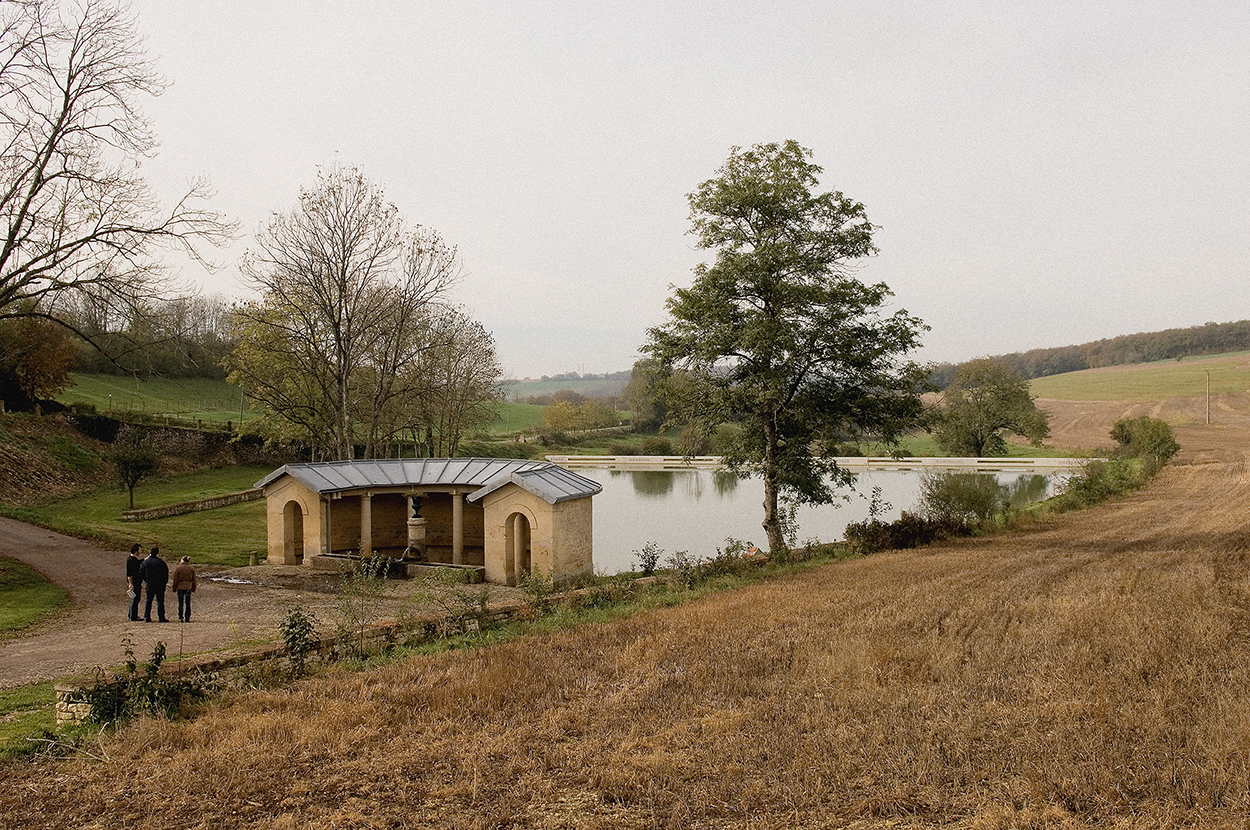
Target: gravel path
91	631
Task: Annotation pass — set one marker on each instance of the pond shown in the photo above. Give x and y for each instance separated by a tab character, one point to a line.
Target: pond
696	509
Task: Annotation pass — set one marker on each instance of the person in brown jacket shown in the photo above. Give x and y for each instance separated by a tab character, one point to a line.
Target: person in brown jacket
184	586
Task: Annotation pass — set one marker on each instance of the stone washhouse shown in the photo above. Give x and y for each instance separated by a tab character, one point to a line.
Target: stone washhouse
502	517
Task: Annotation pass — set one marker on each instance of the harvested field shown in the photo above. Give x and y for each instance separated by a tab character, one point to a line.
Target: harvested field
1090	670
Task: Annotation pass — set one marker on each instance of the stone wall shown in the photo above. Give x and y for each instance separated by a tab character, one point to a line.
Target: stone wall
192	506
225	667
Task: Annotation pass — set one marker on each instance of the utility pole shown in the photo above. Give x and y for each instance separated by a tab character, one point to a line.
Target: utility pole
1208	371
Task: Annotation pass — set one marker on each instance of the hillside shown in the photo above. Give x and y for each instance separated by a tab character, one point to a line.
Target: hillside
45	457
1144	347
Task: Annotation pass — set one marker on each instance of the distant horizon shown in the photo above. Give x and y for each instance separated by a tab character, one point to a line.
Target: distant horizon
966	359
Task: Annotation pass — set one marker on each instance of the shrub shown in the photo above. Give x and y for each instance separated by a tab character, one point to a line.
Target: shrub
298	631
656	445
622	448
141	690
1098	481
649	557
970	499
1149	439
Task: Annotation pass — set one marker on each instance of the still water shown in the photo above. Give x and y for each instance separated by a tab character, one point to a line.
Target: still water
695	510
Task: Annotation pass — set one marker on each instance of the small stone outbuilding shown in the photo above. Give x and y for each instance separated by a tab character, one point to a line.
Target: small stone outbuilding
504	516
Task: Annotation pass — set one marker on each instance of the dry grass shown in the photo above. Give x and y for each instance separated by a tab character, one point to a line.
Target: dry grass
1094	670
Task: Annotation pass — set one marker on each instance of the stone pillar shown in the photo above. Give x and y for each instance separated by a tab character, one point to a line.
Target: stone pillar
327	547
416	531
457	527
366	525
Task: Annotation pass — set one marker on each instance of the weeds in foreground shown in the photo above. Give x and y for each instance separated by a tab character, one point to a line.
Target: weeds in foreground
460	607
298	630
359	597
140	689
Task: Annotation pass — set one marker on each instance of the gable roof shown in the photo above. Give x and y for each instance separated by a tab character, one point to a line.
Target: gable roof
549	482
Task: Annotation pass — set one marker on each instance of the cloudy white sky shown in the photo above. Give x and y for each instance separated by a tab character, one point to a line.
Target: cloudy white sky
1042	174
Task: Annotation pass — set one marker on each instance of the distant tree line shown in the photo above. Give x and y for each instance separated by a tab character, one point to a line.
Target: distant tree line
622	376
1170	344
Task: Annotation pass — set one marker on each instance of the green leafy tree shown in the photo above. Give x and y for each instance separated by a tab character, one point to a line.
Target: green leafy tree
779	336
36	356
986	399
136	458
644	395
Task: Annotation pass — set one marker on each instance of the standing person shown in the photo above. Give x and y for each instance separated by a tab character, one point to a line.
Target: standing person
184	586
134	586
155	575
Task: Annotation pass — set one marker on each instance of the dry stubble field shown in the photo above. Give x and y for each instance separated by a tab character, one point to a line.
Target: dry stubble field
1092	670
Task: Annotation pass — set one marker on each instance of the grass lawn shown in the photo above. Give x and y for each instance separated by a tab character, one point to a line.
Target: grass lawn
210	400
225	536
514	417
25	596
1149	381
25	712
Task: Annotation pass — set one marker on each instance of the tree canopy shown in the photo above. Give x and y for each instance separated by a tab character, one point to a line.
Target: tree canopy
778	335
352	341
986	399
76	215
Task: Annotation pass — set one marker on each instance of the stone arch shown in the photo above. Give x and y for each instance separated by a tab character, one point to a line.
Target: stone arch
293	533
518	537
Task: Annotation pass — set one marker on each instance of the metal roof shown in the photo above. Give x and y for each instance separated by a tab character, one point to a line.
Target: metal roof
548	481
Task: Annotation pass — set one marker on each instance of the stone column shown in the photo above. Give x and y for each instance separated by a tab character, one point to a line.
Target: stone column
457	527
416	531
366	525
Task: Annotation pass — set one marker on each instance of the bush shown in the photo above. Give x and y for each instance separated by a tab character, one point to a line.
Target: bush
141	690
656	445
298	632
960	499
649	557
910	530
1149	439
1098	481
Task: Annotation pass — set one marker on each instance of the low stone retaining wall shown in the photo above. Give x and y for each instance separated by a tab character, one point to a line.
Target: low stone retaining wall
192	506
212	667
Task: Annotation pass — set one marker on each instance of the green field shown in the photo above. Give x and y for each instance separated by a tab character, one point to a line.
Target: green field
217	401
588	388
209	400
518	417
1185	378
224	536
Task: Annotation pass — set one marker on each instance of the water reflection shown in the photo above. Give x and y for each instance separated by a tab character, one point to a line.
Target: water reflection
651	484
696	510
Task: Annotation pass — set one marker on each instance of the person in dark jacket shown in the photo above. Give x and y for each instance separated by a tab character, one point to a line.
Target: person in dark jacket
155	574
134	586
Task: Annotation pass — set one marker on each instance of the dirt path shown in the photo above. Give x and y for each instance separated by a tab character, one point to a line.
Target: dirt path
90	633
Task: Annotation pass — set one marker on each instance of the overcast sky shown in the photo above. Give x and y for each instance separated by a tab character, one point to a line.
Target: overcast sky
1042	173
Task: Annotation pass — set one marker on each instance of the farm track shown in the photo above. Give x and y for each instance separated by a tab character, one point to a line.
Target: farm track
1093	669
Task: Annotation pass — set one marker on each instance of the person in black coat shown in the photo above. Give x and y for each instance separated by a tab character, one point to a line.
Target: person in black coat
155	574
134	585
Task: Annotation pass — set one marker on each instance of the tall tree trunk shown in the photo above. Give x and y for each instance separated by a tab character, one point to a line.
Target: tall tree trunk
772	519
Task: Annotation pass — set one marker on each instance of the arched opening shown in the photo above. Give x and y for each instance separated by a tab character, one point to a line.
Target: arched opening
516	547
293	533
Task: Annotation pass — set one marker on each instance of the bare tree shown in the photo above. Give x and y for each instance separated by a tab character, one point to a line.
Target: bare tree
75	214
331	350
464	377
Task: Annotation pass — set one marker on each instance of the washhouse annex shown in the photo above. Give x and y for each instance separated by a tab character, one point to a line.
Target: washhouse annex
503	516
